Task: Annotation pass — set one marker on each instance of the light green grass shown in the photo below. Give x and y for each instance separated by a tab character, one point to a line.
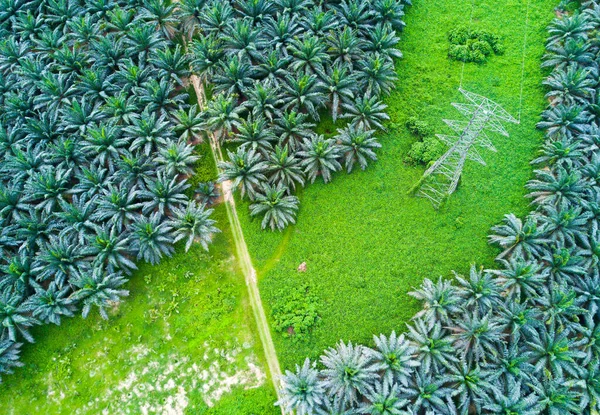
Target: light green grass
365	241
182	317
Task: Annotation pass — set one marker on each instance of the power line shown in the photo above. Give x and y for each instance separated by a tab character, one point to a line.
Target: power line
441	179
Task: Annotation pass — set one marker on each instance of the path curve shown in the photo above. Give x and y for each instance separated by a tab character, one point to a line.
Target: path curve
244	258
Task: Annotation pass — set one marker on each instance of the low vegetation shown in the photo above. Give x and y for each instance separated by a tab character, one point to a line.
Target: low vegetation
521	338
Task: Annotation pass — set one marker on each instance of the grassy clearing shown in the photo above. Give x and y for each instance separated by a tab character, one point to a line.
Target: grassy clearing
183	341
365	241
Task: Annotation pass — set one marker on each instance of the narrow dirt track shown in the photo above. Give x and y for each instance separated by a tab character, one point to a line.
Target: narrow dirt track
244	257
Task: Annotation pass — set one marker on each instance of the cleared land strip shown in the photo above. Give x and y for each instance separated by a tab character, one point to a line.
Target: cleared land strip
244	257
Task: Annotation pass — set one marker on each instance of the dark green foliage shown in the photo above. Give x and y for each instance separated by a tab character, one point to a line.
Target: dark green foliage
277	68
295	313
470	45
425	151
427	148
96	133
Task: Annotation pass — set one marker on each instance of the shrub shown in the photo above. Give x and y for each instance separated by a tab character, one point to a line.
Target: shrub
468	45
418	127
427	148
295	313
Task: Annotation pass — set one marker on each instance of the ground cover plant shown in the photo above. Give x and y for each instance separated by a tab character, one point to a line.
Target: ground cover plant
364	242
521	338
274	69
94	131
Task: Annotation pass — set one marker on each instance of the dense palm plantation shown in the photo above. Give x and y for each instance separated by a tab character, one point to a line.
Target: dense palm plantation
275	68
520	339
94	132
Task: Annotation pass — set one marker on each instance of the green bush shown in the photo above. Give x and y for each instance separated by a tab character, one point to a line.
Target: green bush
427	148
419	128
296	312
425	151
468	45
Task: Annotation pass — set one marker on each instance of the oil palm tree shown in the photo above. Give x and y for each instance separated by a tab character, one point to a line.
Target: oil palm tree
349	372
433	343
320	158
284	168
14	317
151	238
345	47
253	133
384	400
292	128
390	12
177	158
264	101
309	56
572	85
441	301
110	249
162	194
303	93
222	115
207	52
233	76
193	224
366	112
426	392
564	120
278	207
573	51
207	193
396	356
376	74
340	85
302	390
357	145
518	238
189	124
50	305
9	355
246	170
98	288
280	31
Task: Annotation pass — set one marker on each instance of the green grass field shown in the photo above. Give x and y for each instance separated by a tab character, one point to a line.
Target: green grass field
184	340
365	241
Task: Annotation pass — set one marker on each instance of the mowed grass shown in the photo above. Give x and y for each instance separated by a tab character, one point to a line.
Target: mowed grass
184	334
366	242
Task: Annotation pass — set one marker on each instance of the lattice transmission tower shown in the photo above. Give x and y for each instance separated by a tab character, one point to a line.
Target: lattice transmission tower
441	179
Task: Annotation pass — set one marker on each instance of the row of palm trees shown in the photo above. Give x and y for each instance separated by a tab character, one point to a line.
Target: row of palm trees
521	339
94	132
275	68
